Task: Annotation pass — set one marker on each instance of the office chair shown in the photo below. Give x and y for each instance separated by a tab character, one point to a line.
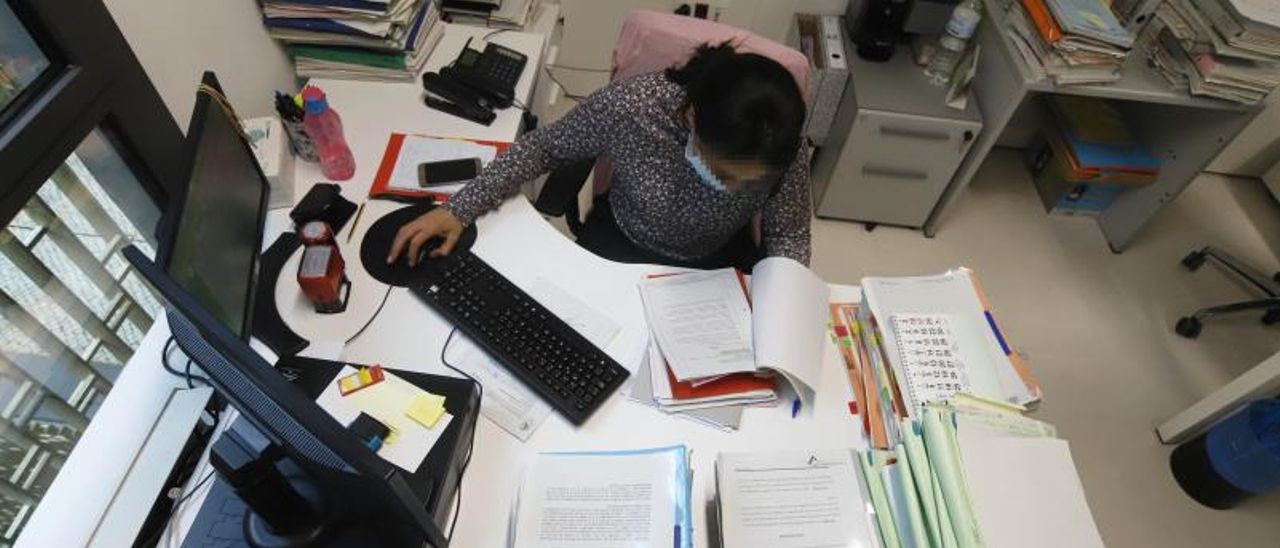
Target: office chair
1190	326
651	41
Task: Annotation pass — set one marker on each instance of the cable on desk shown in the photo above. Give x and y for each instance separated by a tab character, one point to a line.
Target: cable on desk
174	511
471	450
374	316
557	82
579	69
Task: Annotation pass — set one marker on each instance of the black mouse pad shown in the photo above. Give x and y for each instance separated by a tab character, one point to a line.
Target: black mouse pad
377	243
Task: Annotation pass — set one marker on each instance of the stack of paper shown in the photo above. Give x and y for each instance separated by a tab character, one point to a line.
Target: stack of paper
614	499
1070	41
1227	49
356	39
918	340
719	346
794	499
975	476
510	14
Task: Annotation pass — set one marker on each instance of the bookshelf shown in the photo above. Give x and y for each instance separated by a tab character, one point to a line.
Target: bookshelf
1186	131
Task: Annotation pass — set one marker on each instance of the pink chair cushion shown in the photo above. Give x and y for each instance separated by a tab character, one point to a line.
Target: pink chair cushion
653	41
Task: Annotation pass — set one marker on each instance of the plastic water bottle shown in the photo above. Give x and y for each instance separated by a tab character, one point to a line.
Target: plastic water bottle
325	129
951	45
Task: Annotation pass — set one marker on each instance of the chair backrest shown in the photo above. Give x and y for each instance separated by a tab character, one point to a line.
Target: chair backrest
652	41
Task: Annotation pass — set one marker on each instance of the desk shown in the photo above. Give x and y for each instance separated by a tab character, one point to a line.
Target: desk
524	247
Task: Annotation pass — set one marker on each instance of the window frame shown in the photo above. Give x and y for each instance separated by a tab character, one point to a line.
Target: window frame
94	82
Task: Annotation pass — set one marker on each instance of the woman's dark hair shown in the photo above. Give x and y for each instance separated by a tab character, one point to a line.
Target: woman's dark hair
744	105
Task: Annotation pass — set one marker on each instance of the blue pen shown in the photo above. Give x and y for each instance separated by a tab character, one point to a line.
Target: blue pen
795	408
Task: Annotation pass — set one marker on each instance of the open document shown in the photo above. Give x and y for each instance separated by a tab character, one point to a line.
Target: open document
623	499
792	500
709	324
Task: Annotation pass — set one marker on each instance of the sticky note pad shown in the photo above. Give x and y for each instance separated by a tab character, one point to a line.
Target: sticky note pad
426	409
364	378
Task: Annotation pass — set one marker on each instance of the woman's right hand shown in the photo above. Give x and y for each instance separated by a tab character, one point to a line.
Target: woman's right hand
437	223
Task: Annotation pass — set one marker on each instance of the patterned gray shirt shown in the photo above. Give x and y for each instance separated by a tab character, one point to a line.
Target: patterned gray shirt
657	198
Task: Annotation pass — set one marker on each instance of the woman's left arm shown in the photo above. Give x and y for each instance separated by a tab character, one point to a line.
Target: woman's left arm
787	214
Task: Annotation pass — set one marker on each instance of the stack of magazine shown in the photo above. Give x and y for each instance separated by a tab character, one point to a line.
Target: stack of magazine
385	40
1227	49
1070	41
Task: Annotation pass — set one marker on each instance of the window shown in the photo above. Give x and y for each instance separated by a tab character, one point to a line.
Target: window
89	154
21	61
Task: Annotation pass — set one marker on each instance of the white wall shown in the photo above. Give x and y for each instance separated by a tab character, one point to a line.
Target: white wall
1257	148
177	40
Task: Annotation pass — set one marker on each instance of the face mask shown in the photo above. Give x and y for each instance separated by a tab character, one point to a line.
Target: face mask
700	167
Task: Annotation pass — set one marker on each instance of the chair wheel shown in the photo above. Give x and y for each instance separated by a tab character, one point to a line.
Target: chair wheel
1189	327
1271	317
1193	261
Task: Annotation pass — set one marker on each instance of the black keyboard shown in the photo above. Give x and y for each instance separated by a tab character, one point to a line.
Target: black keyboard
552	359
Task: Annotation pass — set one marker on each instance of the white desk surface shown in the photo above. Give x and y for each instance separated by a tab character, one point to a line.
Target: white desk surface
524	247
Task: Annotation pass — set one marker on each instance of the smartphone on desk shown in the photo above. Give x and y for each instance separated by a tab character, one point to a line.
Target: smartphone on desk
447	172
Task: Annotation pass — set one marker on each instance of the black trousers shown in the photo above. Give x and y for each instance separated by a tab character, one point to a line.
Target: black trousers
602	235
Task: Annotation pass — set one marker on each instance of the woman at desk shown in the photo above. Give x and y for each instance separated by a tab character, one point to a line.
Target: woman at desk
697	152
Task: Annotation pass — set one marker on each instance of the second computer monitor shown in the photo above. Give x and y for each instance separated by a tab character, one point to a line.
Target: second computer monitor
213	230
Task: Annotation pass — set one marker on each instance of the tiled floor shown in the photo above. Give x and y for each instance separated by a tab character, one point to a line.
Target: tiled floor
1096	327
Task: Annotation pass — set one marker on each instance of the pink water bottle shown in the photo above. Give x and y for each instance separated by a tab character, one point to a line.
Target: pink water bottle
325	128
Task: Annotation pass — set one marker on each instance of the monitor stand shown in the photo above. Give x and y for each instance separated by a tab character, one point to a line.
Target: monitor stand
285	510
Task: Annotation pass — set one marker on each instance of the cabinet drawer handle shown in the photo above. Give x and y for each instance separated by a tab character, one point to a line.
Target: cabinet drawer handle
893	173
917	134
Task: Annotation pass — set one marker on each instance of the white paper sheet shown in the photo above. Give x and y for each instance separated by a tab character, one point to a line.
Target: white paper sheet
1025	492
790	322
387	402
792	500
701	321
584	319
418	149
506	401
601	501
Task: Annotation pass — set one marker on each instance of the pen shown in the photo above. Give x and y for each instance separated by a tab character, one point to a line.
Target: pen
356	221
795	408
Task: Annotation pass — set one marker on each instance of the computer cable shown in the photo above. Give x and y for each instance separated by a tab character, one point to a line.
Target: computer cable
187	375
155	538
557	82
374	316
471	450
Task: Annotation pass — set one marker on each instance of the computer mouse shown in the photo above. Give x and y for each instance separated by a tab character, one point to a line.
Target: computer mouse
424	253
382	234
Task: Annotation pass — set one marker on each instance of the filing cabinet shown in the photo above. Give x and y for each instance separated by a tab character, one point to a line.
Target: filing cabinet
894	145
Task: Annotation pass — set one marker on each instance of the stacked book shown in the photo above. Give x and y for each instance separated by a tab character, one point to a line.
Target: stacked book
498	14
1070	41
972	475
385	40
924	339
1088	156
721	345
1227	49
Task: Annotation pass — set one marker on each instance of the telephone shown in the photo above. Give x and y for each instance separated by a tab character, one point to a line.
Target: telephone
476	82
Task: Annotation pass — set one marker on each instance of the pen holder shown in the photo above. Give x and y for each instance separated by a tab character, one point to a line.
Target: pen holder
302	144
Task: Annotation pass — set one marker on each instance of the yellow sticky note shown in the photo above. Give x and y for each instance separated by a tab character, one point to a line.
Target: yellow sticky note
426	409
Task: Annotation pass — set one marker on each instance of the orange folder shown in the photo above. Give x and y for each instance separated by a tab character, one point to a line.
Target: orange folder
1048	28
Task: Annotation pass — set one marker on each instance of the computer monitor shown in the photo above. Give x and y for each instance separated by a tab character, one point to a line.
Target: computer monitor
364	491
212	229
